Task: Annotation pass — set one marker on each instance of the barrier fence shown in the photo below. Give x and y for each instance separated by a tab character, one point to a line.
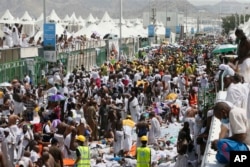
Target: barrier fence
14	65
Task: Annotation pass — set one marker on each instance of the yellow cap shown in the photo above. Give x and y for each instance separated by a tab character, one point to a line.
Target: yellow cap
129	117
80	138
144	138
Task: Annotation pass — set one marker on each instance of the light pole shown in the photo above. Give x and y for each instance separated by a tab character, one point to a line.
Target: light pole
186	23
120	40
245	14
44	11
235	21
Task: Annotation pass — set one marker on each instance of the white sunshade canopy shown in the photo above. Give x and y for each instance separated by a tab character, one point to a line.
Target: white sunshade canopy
7	15
73	18
66	19
90	19
53	17
26	17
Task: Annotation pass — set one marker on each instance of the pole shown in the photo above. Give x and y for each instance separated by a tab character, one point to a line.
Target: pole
186	23
149	11
44	11
244	16
235	20
120	40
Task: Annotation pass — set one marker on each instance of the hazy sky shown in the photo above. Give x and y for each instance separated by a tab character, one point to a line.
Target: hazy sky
207	2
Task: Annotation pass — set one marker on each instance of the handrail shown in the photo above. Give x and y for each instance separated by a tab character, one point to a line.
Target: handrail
221	95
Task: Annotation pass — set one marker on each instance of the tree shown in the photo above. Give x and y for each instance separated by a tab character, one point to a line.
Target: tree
231	22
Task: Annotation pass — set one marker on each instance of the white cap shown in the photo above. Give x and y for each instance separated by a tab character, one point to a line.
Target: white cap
118	101
210	113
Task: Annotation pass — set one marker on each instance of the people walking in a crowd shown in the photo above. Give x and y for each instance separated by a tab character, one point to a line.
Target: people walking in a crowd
122	109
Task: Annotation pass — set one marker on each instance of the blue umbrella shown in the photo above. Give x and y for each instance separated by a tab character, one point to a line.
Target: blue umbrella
57	97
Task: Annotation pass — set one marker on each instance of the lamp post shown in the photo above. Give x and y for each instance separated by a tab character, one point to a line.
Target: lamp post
235	20
44	11
120	40
245	14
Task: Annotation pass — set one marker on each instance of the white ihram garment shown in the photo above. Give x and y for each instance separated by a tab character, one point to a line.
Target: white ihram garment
244	70
155	131
134	109
128	138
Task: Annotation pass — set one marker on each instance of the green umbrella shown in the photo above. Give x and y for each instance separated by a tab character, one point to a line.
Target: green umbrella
225	48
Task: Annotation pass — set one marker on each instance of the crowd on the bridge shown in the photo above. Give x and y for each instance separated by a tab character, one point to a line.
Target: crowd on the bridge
114	113
14	36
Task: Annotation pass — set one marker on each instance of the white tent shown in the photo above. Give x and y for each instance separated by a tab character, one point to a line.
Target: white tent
7	15
97	19
107	28
137	21
26	17
126	32
82	31
73	18
159	29
53	17
107	25
140	31
81	20
106	18
129	24
66	19
8	18
90	19
40	17
88	31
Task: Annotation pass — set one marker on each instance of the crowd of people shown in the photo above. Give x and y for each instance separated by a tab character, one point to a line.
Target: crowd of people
123	105
13	36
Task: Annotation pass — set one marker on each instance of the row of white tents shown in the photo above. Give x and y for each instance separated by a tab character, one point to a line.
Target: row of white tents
78	26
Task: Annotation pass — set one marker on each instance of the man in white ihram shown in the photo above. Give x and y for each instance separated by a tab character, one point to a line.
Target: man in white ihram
155	129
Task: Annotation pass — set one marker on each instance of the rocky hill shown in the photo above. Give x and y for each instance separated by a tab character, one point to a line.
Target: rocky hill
131	8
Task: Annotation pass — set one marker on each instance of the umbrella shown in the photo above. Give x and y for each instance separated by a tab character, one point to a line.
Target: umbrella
225	48
171	96
57	97
5	84
231	56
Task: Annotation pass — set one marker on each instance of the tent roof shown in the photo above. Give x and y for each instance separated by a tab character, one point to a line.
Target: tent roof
91	19
26	17
137	21
66	18
80	19
106	18
40	17
53	16
7	15
88	31
73	18
129	24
